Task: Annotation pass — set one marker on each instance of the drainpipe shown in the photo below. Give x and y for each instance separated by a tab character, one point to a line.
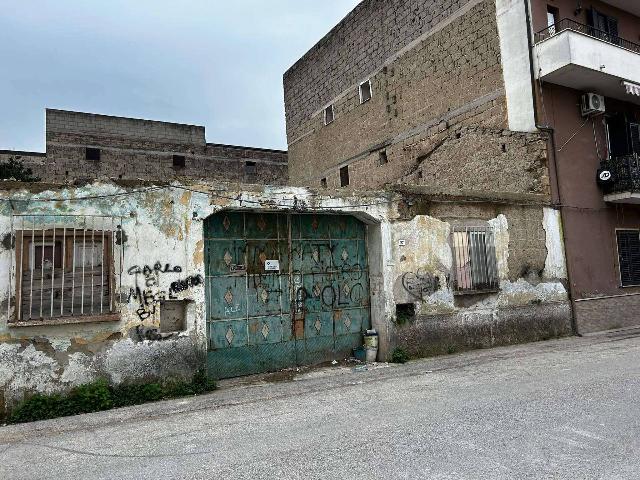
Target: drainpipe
556	199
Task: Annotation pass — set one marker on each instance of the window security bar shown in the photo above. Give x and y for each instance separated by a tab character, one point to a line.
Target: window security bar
474	260
64	266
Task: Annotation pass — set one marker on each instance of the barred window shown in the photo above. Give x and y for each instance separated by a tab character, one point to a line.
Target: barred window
65	266
629	257
474	260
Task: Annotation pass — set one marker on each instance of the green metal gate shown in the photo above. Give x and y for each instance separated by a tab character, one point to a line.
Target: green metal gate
283	290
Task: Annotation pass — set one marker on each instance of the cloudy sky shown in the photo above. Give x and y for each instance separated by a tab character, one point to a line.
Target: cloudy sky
205	62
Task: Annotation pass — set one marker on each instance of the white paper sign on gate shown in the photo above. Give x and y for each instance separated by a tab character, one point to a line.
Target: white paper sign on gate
272	265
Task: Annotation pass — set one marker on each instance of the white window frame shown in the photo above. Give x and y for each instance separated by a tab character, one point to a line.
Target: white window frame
333	115
367	81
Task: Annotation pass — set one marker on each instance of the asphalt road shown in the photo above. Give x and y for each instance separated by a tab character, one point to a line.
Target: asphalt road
558	409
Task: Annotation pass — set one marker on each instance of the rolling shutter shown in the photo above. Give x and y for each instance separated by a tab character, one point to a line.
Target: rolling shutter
629	256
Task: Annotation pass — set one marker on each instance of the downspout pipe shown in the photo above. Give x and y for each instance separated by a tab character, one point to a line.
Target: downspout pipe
556	197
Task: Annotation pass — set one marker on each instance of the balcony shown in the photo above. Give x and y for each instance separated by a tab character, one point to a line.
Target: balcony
584	58
624	184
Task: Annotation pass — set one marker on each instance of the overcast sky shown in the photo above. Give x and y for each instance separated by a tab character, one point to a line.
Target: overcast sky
205	62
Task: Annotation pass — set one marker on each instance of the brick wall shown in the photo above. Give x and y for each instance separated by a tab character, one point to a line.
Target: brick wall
438	108
133	149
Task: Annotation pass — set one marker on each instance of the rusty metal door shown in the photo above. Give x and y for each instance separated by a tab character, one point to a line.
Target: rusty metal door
283	290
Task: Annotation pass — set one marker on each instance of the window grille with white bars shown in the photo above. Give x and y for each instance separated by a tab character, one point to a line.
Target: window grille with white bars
64	266
474	260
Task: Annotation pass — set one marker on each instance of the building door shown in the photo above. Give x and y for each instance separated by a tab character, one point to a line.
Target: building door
283	290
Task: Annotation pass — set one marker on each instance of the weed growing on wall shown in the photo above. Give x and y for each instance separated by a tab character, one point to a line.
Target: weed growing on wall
99	395
15	169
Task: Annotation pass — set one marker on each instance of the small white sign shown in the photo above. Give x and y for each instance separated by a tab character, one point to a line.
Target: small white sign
272	265
402	243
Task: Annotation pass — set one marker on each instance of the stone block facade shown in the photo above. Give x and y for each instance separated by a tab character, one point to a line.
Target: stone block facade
133	149
438	109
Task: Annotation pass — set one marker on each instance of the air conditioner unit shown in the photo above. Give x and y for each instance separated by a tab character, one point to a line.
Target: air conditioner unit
592	103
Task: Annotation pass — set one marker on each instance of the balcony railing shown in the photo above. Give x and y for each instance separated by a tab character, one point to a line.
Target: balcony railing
568	24
625	174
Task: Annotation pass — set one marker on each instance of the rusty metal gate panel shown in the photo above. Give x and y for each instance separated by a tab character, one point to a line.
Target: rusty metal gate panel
283	290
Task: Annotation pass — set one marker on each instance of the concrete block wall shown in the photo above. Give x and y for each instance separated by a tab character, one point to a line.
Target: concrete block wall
358	45
438	108
68	122
134	149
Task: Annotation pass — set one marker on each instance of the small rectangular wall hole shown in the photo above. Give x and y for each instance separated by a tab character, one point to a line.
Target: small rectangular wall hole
383	158
250	172
405	312
344	176
173	316
92	154
323	183
179	161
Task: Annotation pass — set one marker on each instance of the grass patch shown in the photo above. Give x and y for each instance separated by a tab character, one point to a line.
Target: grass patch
399	355
99	395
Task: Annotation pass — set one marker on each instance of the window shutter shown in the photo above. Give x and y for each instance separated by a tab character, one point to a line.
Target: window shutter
618	137
591	17
635	137
629	256
612	24
600	21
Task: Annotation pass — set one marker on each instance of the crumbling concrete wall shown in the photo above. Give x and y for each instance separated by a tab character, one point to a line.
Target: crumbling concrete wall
531	303
162	234
56	354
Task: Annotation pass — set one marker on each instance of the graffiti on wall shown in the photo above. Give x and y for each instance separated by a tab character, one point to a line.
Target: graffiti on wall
420	284
147	294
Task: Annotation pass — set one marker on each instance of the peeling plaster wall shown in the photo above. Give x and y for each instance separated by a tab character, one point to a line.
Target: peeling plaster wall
166	226
523	309
162	226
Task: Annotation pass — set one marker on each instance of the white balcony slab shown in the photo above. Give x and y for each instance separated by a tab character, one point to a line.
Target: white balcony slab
623	197
581	62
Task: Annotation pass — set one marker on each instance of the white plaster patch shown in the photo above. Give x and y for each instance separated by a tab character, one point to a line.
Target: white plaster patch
29	370
81	369
524	293
60	344
440	302
423	258
514	53
555	265
500	228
